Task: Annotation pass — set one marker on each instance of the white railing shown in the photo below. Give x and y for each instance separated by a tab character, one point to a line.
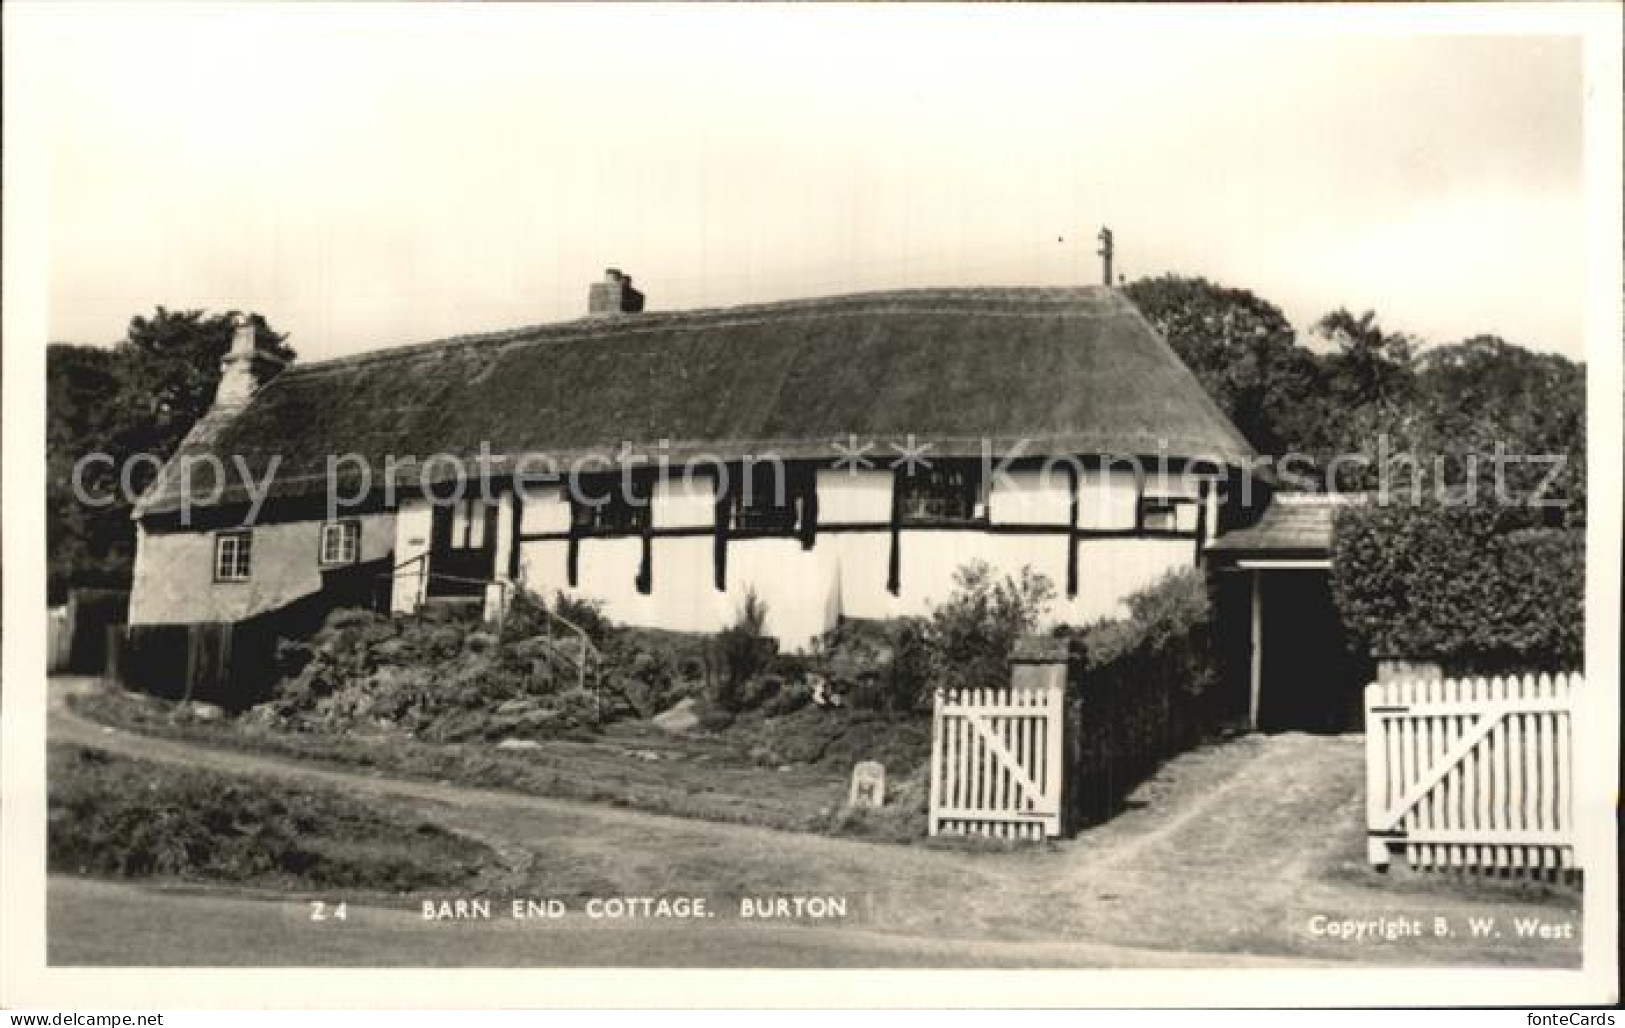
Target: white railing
1472	773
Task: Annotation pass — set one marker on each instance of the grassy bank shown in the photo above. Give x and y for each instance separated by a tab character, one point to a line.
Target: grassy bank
713	776
112	816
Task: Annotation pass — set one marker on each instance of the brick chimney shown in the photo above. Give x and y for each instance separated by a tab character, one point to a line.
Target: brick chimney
245	367
614	295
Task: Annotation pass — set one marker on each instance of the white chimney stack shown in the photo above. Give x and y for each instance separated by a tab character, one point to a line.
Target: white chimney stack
245	367
614	295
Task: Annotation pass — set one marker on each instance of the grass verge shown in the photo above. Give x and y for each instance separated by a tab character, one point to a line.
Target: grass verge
112	816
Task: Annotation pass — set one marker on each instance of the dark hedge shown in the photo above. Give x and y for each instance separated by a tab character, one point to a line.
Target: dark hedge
1142	692
1472	588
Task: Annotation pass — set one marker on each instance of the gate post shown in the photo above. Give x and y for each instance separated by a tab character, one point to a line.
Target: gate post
1376	775
1043	664
937	771
113	667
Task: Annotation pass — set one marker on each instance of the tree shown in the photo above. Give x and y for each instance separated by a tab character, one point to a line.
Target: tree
1241	348
140	396
174	368
86	545
1484	392
1368	366
1361	395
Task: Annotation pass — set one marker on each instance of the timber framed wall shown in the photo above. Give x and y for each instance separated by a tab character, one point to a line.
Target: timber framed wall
687	569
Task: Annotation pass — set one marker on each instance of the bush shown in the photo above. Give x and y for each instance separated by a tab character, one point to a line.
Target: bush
874	665
1473	588
1543	610
291	657
587	615
645	679
965	642
440	681
741	653
526	616
1173	614
967	639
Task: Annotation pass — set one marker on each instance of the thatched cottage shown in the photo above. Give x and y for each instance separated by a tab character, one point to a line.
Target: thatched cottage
1053	429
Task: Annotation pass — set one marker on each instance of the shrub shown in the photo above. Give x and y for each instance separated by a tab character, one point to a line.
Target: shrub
587	615
874	665
349	617
526	616
1473	588
438	680
794	695
1174	612
291	657
913	663
965	642
968	638
741	653
644	678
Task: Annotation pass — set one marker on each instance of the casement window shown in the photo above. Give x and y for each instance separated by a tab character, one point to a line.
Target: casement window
606	506
233	556
1161	513
341	542
949	491
773	499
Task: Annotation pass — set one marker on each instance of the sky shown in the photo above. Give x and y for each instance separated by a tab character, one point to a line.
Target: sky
374	176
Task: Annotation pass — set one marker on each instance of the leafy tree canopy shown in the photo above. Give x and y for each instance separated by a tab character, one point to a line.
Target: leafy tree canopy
1373	393
140	396
1240	347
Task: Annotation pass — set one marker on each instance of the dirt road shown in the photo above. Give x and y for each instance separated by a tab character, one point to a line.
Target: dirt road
1246	852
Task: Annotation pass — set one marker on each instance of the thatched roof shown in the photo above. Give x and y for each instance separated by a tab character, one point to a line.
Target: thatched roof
1067	370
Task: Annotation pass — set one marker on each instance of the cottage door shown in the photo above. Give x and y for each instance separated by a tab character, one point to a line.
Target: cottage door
462	548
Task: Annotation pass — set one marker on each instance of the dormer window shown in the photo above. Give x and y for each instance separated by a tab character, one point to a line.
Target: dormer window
946	492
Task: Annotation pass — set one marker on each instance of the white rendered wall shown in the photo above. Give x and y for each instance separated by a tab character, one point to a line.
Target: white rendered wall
174	581
1111	570
1107	498
846	571
861	498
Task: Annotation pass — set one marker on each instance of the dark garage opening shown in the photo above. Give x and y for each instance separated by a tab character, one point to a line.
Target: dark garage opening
1312	676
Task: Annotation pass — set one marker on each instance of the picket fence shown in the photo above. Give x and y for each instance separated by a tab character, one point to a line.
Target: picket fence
996	762
1472	774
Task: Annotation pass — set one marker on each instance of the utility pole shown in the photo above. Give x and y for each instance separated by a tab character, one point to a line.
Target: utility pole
1105	252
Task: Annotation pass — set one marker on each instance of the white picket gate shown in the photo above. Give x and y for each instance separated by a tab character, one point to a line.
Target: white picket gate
996	762
1472	773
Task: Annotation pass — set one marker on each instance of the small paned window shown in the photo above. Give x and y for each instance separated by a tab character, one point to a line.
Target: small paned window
773	499
608	506
341	542
942	493
233	556
1160	513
